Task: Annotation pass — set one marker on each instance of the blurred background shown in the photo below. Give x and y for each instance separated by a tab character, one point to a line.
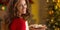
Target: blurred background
46	12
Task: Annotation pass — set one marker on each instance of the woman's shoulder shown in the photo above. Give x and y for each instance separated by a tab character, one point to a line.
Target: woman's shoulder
15	18
19	19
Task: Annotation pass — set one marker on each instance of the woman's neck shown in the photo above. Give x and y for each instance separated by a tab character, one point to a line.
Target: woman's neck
20	16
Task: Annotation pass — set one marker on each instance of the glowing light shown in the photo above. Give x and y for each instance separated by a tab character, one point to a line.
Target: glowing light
58	4
58	1
3	8
51	12
53	0
47	0
56	7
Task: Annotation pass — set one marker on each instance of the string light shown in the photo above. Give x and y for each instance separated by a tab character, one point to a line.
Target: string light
3	8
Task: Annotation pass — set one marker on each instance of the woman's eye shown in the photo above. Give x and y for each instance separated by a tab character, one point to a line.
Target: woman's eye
20	5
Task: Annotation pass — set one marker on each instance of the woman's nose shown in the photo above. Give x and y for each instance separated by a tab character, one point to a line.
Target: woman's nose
24	6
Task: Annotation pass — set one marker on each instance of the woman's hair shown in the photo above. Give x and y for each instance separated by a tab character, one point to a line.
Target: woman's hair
13	9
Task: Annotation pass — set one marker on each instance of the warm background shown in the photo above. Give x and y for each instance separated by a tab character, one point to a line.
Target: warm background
39	11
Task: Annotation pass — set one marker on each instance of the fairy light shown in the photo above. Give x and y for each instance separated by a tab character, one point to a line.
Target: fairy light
3	8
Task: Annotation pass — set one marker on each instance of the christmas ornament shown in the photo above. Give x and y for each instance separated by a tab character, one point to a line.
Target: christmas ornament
51	12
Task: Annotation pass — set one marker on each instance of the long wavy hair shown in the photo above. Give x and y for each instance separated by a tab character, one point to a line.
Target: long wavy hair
12	12
13	9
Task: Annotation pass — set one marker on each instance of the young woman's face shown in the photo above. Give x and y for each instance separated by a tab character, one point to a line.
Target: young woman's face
22	6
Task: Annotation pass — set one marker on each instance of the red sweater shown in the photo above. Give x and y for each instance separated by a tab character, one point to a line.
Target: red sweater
18	24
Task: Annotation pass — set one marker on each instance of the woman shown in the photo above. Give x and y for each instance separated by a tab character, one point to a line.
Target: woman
20	12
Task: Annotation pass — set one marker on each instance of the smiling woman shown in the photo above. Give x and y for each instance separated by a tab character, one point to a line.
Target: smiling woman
18	11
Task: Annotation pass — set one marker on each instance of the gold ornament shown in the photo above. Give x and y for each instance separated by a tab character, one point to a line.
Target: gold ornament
51	12
56	7
56	23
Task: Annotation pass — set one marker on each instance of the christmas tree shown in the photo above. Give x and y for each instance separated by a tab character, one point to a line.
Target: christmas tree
53	19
